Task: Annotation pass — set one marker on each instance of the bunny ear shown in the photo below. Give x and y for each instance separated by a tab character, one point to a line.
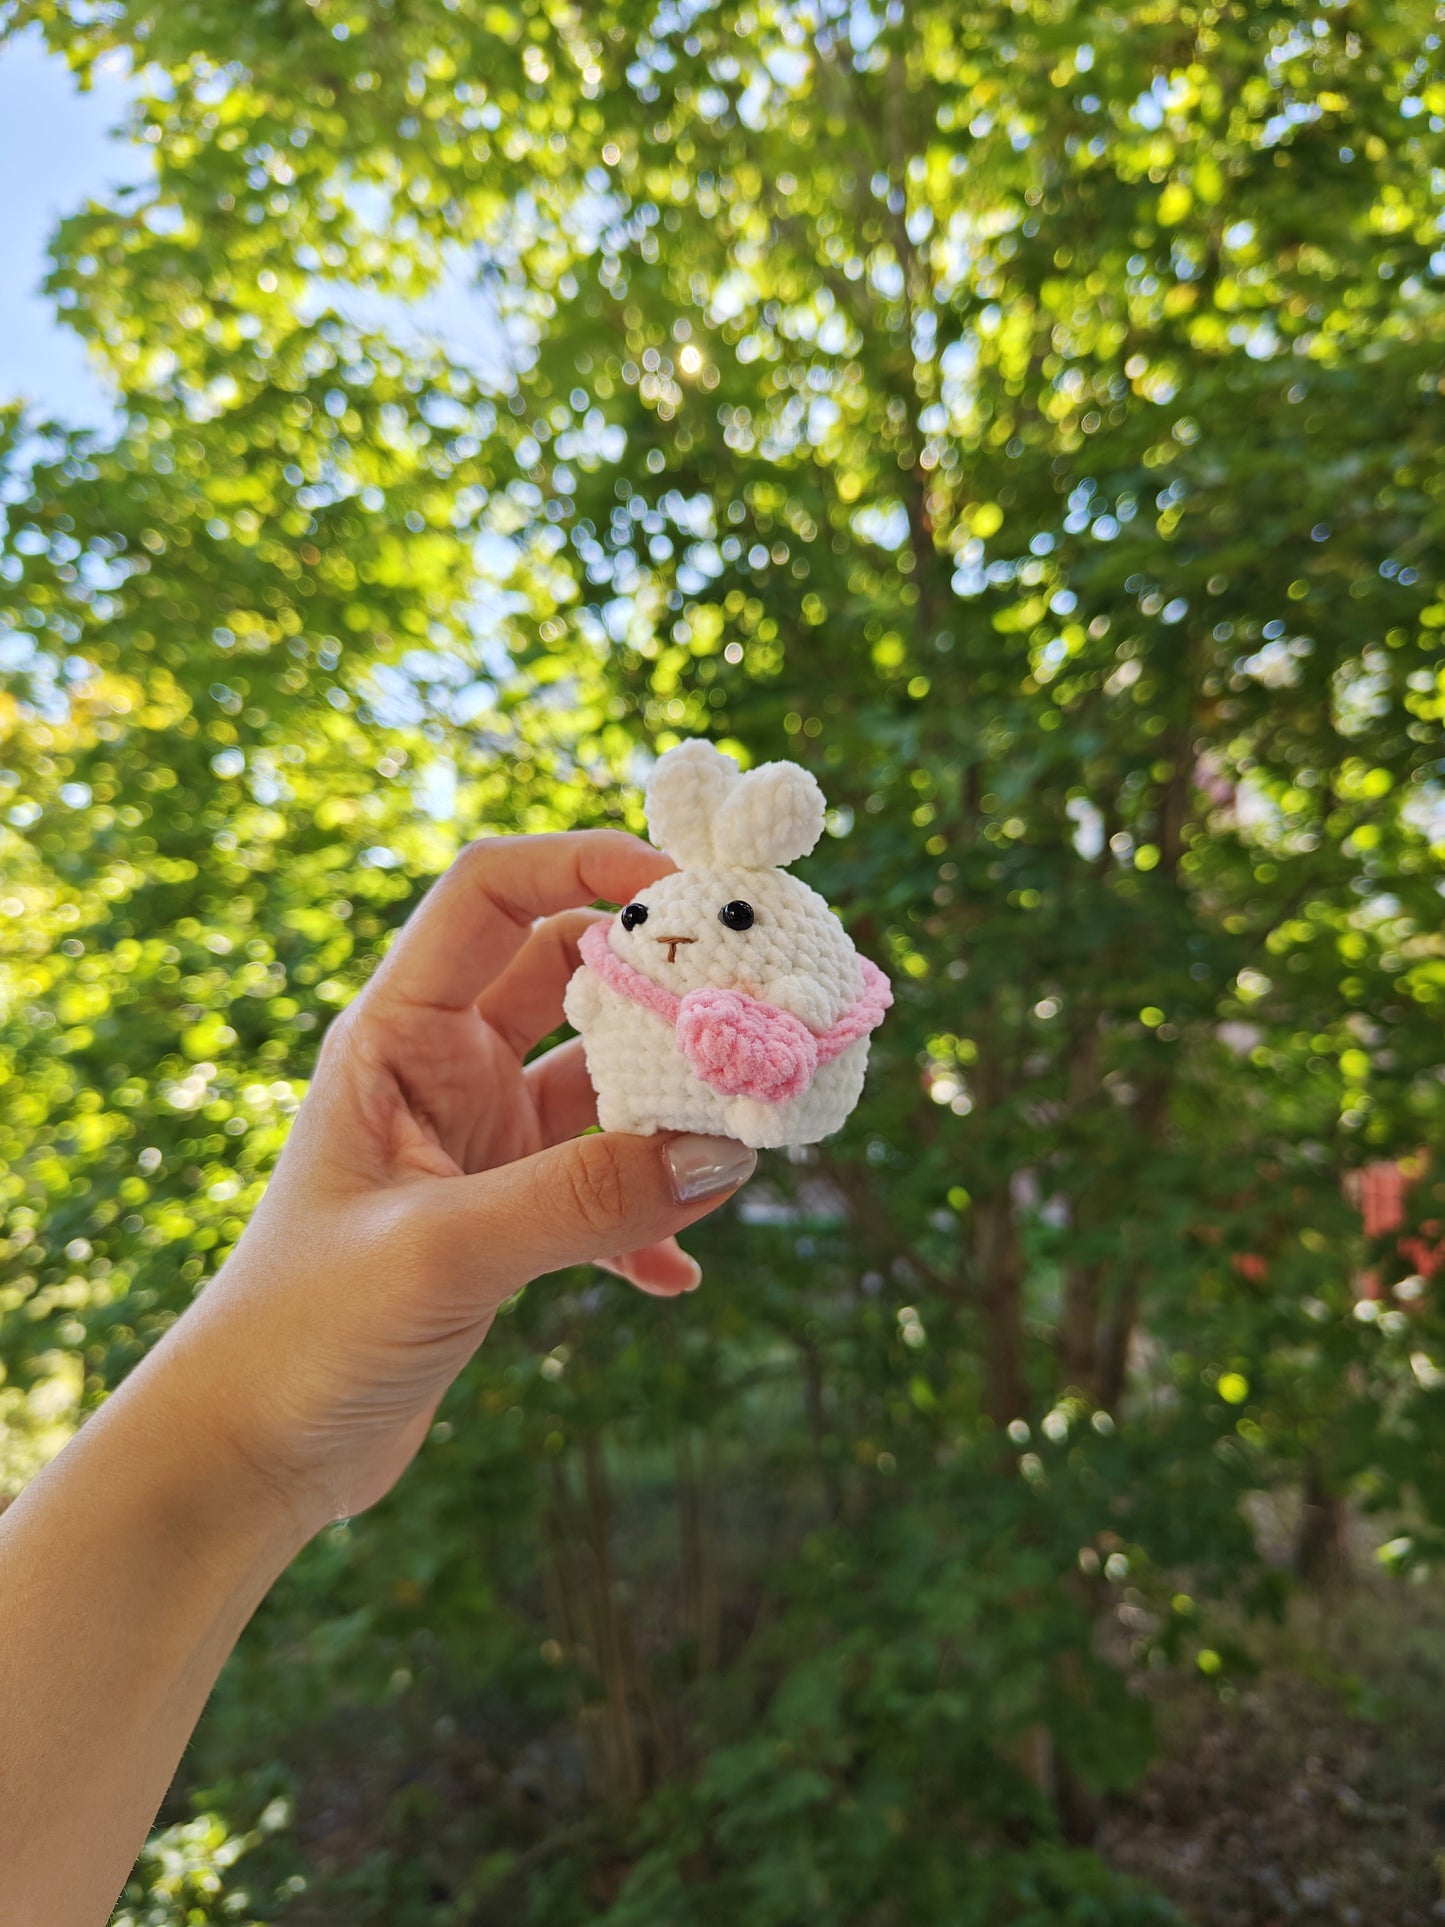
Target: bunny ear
685	796
772	816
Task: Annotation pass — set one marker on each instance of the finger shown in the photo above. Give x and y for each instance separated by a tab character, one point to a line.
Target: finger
525	1002
586	1199
479	913
663	1270
562	1092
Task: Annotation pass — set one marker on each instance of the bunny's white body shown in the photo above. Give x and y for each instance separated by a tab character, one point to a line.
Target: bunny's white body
776	947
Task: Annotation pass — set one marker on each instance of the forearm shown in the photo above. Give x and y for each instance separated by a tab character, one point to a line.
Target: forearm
127	1570
433	1171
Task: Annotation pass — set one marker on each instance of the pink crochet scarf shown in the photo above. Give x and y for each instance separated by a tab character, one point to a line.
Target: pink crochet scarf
738	1046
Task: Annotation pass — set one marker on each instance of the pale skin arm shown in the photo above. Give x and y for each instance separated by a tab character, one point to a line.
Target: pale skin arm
429	1175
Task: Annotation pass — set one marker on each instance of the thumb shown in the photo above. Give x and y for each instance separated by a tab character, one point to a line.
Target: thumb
592	1197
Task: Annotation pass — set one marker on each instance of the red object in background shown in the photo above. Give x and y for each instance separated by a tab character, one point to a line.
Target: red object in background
1382	1198
1427	1257
1381	1191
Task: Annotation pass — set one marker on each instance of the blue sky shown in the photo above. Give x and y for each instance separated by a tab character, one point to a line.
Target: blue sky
57	151
55	154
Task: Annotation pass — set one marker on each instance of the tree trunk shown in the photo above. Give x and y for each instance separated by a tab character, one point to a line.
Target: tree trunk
1079	1327
1113	1353
611	1644
1000	1276
1322	1549
701	1608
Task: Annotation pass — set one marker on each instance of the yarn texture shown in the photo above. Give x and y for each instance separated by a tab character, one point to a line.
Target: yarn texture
727	998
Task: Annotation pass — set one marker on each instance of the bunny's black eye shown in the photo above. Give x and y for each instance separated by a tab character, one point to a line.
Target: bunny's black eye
737	915
634	914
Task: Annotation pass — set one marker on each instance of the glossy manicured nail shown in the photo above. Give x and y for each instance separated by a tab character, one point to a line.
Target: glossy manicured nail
698	1167
696	1279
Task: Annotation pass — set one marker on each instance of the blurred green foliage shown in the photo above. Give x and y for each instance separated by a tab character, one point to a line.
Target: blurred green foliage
1026	416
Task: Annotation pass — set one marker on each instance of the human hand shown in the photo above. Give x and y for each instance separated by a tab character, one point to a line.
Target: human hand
429	1175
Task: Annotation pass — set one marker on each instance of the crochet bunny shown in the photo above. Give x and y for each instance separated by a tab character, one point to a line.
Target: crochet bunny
728	998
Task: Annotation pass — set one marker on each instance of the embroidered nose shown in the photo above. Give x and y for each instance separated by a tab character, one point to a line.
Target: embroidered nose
672	943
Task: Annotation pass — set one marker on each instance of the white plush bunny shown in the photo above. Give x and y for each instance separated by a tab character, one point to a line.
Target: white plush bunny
727	998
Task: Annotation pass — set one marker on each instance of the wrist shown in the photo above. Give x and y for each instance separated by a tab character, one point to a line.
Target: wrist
209	1486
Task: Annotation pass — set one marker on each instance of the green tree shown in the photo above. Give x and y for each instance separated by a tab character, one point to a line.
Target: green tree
1026	416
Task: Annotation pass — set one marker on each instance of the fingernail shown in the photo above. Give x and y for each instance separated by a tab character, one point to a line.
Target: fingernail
701	1166
696	1275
